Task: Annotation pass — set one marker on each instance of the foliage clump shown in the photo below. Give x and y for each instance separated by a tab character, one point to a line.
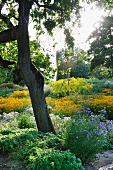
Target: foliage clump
63	88
25	121
84	137
50	159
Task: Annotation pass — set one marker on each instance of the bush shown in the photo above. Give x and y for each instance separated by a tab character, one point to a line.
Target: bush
20	139
62	88
24	121
50	159
47	92
110	137
84	137
37	150
80	69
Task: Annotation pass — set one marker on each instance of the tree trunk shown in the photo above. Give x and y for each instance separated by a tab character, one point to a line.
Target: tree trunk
32	77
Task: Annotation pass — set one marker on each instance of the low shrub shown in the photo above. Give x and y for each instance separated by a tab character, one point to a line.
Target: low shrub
110	137
7	85
25	121
84	137
62	88
11	140
20	138
5	91
50	159
47	92
107	91
37	150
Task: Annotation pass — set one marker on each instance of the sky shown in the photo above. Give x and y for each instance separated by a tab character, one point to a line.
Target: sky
89	17
89	20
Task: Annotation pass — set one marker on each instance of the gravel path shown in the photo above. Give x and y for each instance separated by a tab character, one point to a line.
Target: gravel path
103	161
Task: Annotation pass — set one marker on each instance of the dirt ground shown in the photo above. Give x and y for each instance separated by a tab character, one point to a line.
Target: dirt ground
6	163
3	162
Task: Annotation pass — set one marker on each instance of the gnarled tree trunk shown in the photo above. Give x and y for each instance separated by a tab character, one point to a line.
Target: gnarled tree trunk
32	77
25	69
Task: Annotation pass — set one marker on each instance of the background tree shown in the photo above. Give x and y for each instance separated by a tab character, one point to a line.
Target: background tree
78	64
101	47
80	69
50	13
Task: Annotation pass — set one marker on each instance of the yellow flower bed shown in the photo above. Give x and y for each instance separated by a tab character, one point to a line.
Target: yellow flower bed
12	104
68	106
107	91
63	88
20	94
63	106
97	103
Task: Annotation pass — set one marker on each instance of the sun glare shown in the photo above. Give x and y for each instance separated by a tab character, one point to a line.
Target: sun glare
89	19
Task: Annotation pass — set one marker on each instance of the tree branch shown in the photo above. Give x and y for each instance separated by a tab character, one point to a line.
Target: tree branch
6	20
9	35
5	63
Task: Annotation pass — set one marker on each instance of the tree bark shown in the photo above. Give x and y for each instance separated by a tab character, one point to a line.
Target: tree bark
32	77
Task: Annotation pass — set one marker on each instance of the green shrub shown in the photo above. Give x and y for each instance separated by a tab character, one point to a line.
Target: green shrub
26	139
50	159
110	137
5	91
12	139
24	121
47	92
84	137
80	69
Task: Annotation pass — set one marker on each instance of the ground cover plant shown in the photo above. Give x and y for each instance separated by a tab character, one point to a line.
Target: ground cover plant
81	125
38	150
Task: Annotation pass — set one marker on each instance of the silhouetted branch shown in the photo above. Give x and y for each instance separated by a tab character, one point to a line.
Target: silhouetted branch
9	35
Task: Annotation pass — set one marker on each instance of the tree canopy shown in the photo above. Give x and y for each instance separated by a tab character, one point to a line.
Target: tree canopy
101	47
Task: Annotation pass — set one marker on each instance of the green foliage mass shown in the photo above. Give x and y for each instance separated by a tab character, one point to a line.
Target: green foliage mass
24	121
51	159
80	69
101	46
9	52
38	150
84	138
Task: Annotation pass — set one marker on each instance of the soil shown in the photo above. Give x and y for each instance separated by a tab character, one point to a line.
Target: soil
6	163
4	160
103	161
